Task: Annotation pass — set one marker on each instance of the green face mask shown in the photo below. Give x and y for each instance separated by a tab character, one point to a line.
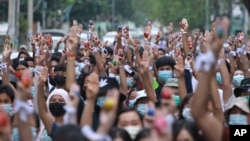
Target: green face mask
177	100
247	97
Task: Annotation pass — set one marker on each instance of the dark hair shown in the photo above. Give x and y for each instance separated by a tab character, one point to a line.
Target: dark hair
56	56
8	90
181	124
228	66
110	50
24	63
144	133
119	133
126	110
29	59
22	52
60	67
68	133
92	60
165	60
183	103
163	50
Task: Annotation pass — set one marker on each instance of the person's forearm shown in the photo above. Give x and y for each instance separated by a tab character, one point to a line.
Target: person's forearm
41	100
182	87
87	113
185	44
100	66
5	77
70	75
123	86
227	90
218	113
24	129
148	86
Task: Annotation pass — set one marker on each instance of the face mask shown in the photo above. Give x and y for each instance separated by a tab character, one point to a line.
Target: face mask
33	91
129	81
142	109
131	103
165	75
247	97
31	69
8	109
133	131
77	72
237	119
118	79
59	80
237	80
186	113
15	133
56	109
80	66
100	101
177	100
21	59
219	78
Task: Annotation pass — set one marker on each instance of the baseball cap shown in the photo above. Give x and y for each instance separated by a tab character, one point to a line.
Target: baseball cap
141	94
239	102
244	85
23	47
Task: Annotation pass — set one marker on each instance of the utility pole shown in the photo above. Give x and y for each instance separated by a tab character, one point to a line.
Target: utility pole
11	19
30	18
113	14
17	20
207	14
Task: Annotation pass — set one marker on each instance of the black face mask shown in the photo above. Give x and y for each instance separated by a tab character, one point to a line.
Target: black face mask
59	80
56	109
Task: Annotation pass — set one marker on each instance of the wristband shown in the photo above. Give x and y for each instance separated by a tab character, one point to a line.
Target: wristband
203	63
37	51
69	55
91	135
112	75
24	108
70	115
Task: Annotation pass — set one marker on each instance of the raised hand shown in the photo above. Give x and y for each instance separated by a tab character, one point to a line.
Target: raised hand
73	39
145	62
92	86
43	77
184	25
179	67
7	50
74	95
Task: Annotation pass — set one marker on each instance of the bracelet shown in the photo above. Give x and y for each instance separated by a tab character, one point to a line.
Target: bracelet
24	109
69	55
69	117
91	135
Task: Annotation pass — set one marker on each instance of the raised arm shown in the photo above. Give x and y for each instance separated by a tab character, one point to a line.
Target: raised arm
43	112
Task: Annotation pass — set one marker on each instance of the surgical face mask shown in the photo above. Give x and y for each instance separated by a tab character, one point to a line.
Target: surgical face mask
165	75
133	131
100	101
186	113
142	109
8	109
219	78
81	66
177	100
33	91
77	72
31	69
117	77
237	80
238	119
15	133
131	103
129	81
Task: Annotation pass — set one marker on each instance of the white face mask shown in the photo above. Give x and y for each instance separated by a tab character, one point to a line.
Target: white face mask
238	119
187	114
133	131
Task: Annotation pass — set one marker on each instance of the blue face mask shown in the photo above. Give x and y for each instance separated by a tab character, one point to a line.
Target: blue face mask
238	119
186	113
165	75
80	66
117	77
131	103
219	78
129	81
15	133
8	109
33	91
237	80
100	101
142	109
